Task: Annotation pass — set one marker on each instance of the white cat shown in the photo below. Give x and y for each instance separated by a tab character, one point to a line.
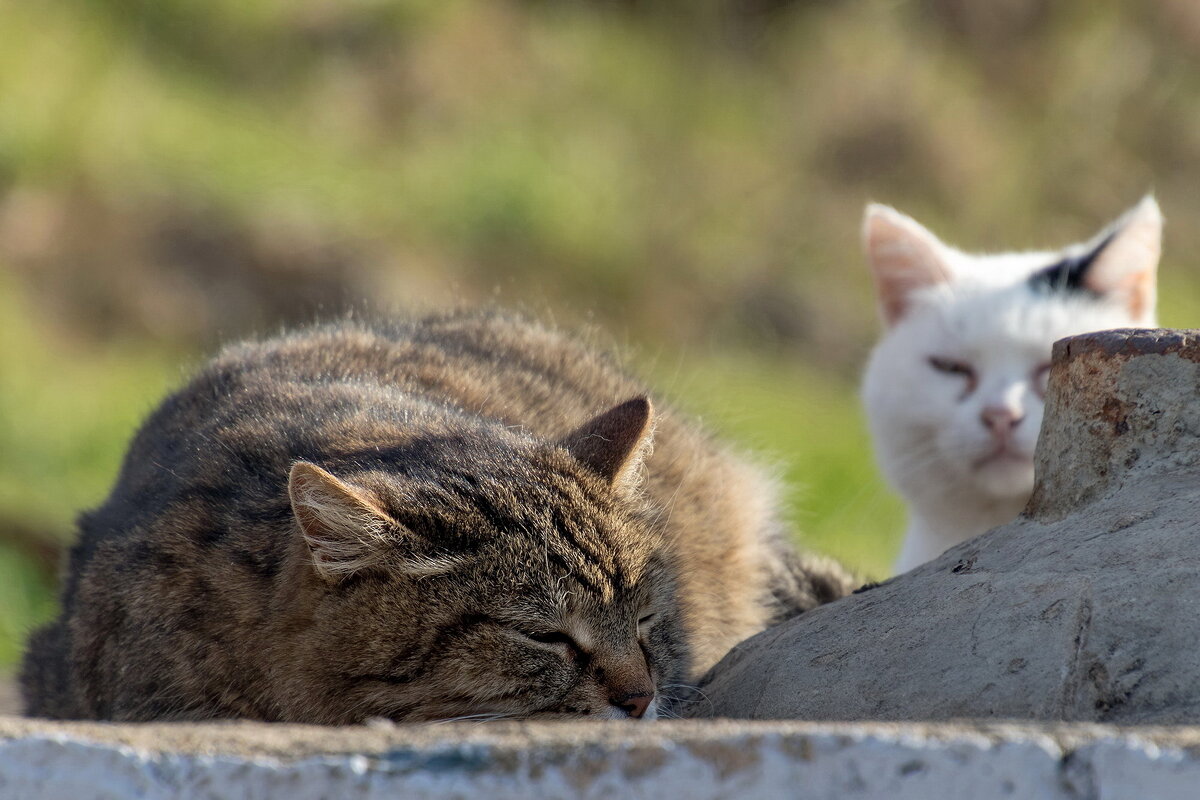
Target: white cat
954	390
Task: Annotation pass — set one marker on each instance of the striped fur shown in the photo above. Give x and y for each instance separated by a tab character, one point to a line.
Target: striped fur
422	520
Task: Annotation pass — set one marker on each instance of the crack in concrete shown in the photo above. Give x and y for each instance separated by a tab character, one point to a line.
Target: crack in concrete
1074	674
1077	776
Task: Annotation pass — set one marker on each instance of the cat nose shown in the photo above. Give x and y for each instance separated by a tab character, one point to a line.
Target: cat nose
1000	420
634	705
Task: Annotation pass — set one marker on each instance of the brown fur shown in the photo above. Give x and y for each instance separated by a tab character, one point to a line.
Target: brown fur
415	521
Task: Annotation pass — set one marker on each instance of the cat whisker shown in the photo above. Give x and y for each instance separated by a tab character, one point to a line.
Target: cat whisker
917	456
673	704
485	717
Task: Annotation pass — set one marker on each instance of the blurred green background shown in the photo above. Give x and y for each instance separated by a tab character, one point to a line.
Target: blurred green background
688	175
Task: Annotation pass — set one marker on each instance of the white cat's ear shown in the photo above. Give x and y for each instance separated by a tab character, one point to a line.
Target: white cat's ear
903	257
615	444
343	528
1126	261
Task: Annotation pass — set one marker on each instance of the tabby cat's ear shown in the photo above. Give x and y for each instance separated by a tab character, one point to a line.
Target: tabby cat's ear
1126	263
615	444
903	257
343	528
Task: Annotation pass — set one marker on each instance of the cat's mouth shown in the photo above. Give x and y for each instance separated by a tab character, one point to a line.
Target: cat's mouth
1003	456
1004	473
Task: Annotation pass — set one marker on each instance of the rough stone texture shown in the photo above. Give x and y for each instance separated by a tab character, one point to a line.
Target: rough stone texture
696	760
1086	608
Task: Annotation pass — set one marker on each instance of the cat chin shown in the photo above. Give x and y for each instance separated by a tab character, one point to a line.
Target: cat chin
612	712
1005	476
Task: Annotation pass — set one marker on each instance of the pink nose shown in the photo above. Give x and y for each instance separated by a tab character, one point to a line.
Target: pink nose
1000	420
634	705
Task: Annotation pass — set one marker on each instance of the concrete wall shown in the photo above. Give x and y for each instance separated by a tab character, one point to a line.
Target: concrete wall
684	759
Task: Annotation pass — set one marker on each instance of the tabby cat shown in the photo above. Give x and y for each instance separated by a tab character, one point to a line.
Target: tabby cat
418	520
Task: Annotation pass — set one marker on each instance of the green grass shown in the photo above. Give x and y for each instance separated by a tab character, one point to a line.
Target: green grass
67	411
25	602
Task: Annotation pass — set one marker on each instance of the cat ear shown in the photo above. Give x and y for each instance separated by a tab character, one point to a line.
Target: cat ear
343	528
903	256
347	532
615	444
1126	260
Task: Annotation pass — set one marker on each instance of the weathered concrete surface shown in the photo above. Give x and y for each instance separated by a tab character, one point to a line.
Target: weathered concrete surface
696	760
1086	608
1123	407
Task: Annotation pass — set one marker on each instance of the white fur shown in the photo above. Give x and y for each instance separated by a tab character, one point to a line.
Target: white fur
931	438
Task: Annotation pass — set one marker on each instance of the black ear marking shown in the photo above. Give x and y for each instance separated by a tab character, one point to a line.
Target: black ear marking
1070	274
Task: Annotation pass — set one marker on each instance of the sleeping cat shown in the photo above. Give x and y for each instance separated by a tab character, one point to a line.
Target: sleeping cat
456	517
954	389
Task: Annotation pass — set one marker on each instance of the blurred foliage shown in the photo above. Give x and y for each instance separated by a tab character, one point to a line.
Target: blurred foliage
688	174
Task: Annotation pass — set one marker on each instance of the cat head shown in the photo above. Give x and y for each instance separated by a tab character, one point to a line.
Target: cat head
954	390
485	573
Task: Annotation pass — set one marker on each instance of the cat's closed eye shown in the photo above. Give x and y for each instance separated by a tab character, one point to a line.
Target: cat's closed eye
556	639
951	366
645	622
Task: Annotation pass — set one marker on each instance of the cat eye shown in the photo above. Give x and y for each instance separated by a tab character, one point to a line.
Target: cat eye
951	367
555	638
956	369
645	621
